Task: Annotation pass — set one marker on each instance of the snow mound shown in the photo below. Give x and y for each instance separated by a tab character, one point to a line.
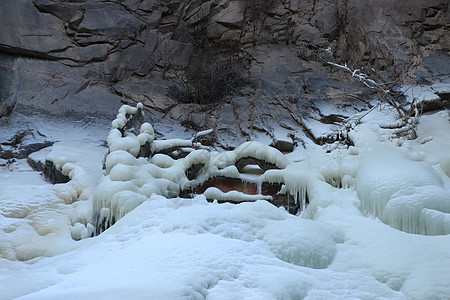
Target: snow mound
404	191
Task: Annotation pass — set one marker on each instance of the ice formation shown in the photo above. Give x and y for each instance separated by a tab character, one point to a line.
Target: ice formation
404	193
392	186
129	176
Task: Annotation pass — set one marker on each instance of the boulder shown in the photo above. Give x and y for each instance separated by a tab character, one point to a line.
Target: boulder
283	145
48	170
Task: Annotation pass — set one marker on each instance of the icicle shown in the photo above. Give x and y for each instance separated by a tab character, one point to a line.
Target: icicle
259	186
347	181
288	206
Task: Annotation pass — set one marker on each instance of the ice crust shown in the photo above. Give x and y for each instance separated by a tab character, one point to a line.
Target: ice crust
407	187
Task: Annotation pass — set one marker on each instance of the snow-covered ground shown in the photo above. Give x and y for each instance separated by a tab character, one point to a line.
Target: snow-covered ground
353	241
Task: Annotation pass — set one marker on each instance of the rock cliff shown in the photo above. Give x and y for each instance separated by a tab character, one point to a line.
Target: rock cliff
268	60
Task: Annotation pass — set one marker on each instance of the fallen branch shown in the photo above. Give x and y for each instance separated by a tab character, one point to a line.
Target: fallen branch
409	115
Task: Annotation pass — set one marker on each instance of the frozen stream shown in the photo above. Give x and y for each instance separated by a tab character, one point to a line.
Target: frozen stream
350	243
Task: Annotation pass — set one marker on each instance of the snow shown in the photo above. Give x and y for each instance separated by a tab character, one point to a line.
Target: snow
353	240
262	152
159	145
202	133
435	140
233	196
128	143
168	249
162	160
421	93
424	93
38	219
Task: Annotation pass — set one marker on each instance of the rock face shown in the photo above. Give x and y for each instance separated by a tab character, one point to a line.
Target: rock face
83	58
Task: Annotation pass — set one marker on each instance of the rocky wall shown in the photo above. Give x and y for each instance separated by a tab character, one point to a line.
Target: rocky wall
84	57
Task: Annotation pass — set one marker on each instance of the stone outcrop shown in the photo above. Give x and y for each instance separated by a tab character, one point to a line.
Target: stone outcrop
84	57
48	170
22	144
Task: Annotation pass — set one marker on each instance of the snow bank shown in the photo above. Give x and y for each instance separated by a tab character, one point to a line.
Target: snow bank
161	251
